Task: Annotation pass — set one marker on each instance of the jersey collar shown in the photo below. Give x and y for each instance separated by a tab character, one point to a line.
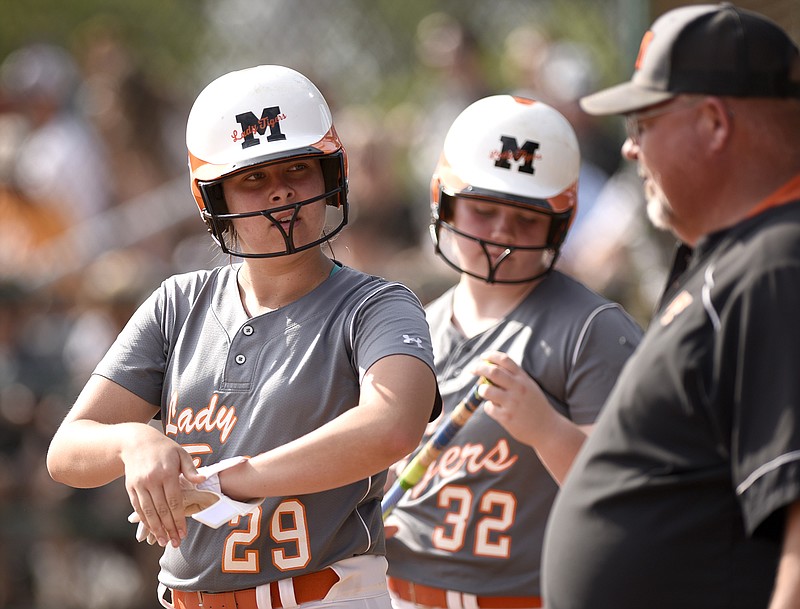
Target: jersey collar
787	193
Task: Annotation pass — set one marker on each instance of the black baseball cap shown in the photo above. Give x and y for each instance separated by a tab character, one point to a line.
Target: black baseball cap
711	49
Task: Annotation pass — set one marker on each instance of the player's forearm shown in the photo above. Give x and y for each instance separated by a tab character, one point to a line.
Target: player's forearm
558	444
87	454
350	448
397	394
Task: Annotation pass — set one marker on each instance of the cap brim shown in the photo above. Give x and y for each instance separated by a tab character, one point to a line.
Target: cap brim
622	98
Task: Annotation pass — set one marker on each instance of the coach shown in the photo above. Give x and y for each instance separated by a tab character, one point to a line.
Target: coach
687	494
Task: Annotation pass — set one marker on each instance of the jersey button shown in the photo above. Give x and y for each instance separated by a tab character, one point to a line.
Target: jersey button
240	359
247	330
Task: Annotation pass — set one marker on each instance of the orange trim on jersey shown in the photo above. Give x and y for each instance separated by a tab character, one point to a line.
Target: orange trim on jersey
787	193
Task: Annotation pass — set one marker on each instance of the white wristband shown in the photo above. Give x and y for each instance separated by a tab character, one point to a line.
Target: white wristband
225	509
211	471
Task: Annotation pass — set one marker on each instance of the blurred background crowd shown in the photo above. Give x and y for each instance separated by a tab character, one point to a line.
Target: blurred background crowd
95	207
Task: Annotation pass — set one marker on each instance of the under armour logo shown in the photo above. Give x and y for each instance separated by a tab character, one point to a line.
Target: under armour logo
270	119
513	151
412	339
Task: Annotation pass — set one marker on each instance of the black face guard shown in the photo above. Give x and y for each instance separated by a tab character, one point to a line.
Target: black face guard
492	266
220	224
558	228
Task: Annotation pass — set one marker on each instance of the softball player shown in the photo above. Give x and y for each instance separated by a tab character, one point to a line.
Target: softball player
318	373
469	534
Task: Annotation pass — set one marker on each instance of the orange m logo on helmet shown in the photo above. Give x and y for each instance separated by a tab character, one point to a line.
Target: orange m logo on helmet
270	119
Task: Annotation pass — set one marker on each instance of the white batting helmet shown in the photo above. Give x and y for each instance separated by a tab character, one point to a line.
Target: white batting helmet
512	151
254	117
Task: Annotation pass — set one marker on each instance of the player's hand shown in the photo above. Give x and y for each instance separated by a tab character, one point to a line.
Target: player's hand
153	468
204	501
194	501
390	530
512	397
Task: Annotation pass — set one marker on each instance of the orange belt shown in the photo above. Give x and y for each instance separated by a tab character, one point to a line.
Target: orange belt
437	597
307	588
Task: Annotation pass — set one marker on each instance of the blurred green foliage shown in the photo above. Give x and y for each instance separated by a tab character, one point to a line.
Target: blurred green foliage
167	36
187	42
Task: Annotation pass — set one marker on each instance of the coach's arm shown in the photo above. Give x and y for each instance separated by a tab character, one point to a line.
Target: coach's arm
787	583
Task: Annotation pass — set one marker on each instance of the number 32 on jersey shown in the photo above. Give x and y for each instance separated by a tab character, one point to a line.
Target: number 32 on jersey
496	511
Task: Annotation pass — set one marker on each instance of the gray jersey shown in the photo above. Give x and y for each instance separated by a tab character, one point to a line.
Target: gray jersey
233	385
475	522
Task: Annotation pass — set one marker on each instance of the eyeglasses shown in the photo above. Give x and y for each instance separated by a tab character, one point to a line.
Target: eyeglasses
633	121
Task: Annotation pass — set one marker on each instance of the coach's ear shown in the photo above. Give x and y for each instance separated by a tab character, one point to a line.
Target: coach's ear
437	405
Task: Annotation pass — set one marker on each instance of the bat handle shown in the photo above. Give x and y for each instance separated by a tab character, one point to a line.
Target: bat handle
415	470
392	497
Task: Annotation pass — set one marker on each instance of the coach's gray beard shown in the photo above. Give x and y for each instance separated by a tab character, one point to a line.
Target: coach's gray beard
658	209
